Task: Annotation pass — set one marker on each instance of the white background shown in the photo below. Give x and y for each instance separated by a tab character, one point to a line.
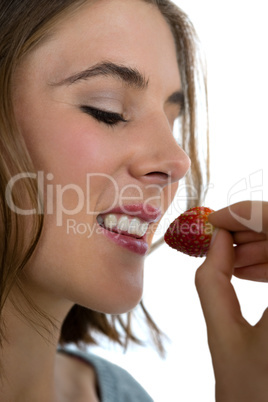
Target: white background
234	35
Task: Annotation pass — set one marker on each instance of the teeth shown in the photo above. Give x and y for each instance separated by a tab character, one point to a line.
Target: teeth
143	229
134	226
110	221
124	223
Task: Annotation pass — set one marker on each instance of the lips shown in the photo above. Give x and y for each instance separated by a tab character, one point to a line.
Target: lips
127	225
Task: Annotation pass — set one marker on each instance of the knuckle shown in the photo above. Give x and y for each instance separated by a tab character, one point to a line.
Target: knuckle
200	277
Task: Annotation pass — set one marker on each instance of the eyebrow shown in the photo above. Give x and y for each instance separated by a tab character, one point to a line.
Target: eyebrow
128	75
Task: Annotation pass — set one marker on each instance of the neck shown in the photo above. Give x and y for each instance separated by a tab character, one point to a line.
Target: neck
28	356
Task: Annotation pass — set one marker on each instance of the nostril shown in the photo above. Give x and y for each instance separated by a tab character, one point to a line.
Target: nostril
161	175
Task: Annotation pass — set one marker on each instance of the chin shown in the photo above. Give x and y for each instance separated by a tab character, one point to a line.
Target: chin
119	303
125	305
122	309
125	292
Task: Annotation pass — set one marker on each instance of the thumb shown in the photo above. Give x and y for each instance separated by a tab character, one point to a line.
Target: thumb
217	296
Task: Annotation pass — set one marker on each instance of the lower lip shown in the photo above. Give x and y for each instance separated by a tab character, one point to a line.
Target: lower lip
138	246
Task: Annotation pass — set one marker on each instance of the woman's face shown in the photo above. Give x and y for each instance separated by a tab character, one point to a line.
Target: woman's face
96	104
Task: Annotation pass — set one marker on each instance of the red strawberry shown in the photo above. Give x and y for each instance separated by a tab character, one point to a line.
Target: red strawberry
191	232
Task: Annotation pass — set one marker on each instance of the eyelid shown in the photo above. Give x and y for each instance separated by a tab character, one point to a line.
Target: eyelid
103	100
102	115
108	112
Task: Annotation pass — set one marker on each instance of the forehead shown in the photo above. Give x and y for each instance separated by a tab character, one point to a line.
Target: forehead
123	31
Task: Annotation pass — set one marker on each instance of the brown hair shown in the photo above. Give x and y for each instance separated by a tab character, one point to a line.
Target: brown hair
23	25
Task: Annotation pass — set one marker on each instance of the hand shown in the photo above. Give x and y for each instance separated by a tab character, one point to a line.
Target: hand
239	351
251	253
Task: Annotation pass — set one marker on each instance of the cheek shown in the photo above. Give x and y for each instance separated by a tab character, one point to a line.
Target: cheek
65	144
74	156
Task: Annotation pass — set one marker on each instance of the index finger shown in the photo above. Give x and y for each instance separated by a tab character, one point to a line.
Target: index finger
244	215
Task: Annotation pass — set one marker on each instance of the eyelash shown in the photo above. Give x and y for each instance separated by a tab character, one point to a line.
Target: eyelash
109	118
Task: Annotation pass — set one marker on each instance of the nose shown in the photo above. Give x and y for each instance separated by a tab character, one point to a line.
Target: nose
159	159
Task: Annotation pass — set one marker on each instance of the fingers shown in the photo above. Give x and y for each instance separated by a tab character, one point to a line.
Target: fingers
248	221
253	253
217	296
248	236
257	273
241	216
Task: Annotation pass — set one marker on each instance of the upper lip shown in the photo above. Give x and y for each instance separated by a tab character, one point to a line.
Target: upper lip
146	212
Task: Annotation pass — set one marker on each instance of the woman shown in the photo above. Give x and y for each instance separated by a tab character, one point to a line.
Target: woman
89	94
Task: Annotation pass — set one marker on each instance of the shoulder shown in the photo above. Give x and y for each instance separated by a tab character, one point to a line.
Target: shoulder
115	383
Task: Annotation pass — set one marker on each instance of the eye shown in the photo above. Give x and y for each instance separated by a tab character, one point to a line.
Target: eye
109	118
